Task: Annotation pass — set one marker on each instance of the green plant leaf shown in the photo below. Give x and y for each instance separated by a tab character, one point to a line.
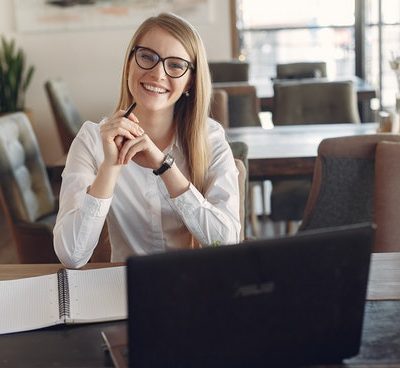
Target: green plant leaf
15	76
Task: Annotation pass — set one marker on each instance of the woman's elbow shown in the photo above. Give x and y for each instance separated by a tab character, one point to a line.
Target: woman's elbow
67	256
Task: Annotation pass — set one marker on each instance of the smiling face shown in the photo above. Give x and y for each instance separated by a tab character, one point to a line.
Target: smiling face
153	89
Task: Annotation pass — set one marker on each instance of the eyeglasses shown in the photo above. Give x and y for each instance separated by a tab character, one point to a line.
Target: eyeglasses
174	67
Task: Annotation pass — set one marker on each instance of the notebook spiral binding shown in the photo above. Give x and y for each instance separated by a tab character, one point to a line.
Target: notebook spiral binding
63	294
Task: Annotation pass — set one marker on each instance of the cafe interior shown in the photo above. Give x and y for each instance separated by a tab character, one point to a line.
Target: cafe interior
308	92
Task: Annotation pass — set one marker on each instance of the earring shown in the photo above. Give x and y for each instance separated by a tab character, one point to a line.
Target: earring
186	93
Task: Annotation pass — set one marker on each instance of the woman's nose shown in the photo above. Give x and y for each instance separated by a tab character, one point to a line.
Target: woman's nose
159	71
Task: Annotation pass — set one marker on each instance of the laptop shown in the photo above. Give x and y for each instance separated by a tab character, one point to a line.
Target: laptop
285	301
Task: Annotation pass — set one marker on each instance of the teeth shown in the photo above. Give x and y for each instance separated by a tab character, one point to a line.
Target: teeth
154	89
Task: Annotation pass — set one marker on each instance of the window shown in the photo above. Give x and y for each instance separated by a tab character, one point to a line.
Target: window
320	30
269	34
382	36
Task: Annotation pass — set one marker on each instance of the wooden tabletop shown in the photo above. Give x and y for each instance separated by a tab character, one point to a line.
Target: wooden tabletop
384	280
289	150
20	271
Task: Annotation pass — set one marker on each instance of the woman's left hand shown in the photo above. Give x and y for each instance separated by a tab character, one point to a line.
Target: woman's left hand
141	150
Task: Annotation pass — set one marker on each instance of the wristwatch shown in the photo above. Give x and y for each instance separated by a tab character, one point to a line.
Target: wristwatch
167	163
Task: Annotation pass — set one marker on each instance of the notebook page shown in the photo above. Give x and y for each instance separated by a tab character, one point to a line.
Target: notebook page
97	295
28	304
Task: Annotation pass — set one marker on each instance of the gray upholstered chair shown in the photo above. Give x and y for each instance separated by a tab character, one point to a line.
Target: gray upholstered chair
66	115
357	179
229	71
242	178
312	69
240	151
26	193
243	104
307	102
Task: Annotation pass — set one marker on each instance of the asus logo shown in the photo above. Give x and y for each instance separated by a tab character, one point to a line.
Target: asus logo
254	289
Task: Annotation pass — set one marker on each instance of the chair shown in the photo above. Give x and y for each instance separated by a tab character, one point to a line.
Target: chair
357	179
240	152
314	102
219	110
307	102
229	71
243	104
67	117
26	194
242	178
301	70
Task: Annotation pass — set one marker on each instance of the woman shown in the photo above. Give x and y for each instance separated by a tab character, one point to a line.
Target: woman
164	176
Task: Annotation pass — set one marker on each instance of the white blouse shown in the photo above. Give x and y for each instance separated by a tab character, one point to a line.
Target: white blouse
141	216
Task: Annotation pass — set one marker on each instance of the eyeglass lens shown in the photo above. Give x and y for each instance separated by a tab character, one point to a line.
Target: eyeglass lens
148	59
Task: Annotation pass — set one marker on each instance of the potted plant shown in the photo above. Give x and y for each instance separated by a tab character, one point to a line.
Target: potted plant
15	77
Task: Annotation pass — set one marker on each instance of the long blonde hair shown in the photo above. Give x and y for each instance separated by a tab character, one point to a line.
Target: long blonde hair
191	112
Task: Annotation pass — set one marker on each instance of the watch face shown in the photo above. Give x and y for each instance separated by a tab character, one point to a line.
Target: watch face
169	160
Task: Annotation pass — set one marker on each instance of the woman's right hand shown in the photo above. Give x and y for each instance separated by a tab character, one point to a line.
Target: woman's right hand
114	131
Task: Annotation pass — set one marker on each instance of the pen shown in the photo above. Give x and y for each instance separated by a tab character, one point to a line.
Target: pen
130	109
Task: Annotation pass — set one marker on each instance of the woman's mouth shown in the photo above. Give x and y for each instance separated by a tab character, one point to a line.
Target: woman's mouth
150	88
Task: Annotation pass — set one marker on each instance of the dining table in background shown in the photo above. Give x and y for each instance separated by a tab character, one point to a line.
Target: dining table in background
275	151
289	150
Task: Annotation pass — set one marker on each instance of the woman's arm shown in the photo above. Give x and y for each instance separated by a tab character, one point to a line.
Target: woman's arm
212	218
89	179
81	215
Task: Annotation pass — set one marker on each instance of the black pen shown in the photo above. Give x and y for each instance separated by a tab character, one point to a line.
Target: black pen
130	109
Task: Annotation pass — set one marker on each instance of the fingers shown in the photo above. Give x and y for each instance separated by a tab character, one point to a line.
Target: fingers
119	126
130	148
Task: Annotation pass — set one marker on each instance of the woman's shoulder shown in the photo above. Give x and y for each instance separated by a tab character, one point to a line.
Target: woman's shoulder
90	128
87	143
217	139
90	131
215	128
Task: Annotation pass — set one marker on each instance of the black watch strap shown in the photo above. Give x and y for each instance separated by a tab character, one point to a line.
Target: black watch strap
167	163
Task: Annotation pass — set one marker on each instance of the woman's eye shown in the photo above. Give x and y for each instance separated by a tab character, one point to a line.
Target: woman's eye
176	65
148	57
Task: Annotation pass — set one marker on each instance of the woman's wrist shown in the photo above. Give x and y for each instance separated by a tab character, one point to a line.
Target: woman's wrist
106	178
175	181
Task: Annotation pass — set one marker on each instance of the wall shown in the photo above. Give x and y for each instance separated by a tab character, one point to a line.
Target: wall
90	62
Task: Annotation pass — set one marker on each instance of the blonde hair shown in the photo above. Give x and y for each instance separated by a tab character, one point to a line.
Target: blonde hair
191	111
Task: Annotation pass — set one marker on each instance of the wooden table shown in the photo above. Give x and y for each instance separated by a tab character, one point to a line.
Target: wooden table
20	271
289	150
81	345
384	279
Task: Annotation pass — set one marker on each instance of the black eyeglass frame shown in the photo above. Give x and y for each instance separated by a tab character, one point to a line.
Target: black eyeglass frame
189	64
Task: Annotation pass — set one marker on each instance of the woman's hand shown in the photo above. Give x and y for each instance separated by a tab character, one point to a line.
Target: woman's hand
115	131
142	151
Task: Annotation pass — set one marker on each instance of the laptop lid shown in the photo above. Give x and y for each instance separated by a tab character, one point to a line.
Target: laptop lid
272	302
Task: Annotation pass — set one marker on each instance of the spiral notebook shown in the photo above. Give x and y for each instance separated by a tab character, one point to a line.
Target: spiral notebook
65	297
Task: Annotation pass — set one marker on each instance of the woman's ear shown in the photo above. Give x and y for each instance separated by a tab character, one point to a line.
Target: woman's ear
189	84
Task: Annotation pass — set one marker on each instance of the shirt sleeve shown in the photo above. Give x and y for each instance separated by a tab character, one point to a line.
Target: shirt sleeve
81	216
213	218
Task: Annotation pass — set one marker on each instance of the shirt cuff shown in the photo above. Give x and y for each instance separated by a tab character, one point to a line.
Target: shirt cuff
189	201
96	207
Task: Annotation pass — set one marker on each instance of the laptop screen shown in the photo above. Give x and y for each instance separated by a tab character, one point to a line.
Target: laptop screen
283	301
